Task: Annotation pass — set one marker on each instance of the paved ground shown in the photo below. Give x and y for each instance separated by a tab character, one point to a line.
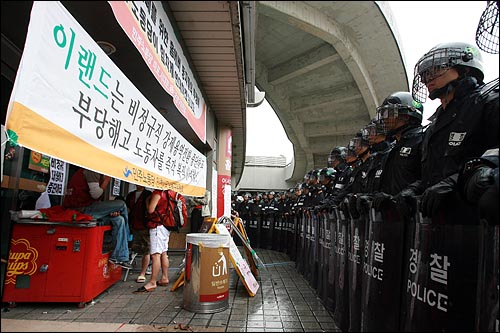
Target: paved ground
285	302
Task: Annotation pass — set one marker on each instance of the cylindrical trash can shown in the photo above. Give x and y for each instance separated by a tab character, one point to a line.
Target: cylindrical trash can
206	274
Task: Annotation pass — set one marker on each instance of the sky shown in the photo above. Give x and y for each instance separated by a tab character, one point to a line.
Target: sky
421	26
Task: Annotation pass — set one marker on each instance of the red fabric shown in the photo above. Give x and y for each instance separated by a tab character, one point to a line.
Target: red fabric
78	193
138	210
60	214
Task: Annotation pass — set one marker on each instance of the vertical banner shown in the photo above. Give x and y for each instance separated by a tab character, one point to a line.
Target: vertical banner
148	27
57	177
224	178
215	195
70	101
116	187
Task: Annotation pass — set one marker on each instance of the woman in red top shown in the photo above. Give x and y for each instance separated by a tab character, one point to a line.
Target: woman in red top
159	237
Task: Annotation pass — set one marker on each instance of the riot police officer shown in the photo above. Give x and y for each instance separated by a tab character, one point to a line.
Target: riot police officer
337	161
402	119
453	72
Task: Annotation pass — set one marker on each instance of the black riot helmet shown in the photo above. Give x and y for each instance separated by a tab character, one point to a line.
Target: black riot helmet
374	132
314	175
399	105
326	174
358	144
337	158
464	57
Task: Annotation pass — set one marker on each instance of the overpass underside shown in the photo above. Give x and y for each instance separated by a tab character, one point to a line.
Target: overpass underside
325	66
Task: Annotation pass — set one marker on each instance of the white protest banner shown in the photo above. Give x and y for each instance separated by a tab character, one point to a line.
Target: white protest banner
148	27
70	101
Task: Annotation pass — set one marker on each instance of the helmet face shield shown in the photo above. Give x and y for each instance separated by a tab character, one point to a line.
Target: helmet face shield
337	155
438	60
388	111
398	109
351	156
326	174
358	144
374	132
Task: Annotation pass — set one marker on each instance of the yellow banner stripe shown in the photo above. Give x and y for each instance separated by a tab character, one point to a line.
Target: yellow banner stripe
37	133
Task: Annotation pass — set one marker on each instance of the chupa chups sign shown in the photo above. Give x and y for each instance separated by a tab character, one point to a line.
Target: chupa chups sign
22	260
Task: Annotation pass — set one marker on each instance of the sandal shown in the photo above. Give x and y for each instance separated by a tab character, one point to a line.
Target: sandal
140	279
162	284
143	290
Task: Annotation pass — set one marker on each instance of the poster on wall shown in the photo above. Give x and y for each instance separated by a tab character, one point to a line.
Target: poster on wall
39	162
57	176
101	121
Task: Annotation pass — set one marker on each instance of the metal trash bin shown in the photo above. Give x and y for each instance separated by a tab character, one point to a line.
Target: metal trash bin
206	274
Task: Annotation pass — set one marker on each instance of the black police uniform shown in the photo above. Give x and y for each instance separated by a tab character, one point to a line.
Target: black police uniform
403	163
466	129
380	153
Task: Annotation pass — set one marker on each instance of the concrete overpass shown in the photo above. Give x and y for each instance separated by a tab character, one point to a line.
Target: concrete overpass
325	66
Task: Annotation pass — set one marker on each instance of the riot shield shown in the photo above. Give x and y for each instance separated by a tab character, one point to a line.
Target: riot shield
341	313
252	230
382	268
331	242
440	274
309	258
301	240
487	319
276	232
355	268
292	236
265	231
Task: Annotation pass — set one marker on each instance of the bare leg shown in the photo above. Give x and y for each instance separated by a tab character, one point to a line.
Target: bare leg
144	264
164	268
155	271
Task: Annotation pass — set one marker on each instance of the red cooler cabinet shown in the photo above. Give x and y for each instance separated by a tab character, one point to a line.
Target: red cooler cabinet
59	262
